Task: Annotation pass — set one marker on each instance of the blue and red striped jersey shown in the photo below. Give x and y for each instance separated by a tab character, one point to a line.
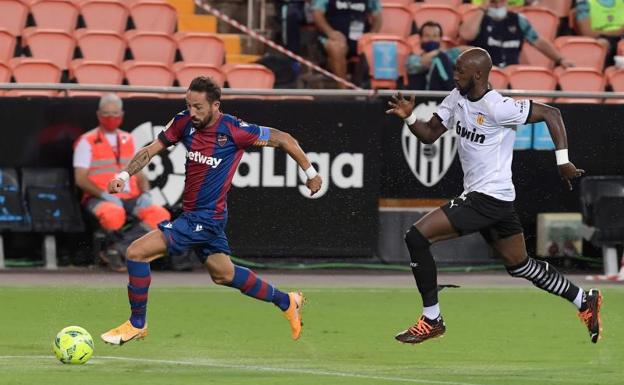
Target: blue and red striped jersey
213	154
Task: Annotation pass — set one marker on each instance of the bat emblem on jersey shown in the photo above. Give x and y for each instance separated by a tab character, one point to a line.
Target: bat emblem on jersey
480	119
221	139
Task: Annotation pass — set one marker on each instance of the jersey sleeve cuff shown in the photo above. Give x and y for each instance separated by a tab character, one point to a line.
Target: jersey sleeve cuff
529	114
163	138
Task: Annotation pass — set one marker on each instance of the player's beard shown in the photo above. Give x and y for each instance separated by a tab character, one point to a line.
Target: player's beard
464	90
198	124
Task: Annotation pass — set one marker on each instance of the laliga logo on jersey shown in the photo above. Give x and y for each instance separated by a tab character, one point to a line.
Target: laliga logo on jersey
165	171
428	162
346	171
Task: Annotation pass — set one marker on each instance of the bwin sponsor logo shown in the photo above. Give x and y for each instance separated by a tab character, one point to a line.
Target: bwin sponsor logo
471	136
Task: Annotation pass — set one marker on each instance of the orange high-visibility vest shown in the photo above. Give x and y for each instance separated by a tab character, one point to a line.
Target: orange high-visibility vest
105	163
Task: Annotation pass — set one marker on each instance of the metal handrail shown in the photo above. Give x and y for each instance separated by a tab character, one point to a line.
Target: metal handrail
295	92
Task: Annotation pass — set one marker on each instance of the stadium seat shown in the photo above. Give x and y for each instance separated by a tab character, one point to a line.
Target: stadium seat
13	15
414	42
385	3
155	47
29	70
50	44
532	78
250	76
396	20
531	56
101	45
581	79
467	11
148	74
446	15
55	14
543	20
7	45
403	51
452	3
201	48
5	75
94	72
616	80
561	8
105	15
186	72
498	79
154	16
582	51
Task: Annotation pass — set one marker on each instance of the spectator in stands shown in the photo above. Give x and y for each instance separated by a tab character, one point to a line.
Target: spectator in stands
291	15
341	23
502	32
603	20
432	70
98	155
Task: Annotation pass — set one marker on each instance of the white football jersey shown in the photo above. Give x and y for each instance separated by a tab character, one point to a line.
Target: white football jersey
486	131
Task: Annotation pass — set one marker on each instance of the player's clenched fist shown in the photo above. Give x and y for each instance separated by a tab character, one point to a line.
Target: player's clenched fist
314	184
116	185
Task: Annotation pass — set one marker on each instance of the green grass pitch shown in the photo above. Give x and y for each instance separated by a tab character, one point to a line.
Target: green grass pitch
218	336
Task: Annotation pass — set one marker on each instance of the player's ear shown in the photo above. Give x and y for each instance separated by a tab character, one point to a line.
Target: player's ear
217	104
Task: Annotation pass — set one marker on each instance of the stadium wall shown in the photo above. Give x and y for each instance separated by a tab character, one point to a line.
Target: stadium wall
360	151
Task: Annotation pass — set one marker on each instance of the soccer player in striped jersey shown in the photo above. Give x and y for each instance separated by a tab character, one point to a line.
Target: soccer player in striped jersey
485	124
215	143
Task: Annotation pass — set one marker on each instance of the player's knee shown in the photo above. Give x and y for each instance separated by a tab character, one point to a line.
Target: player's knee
110	216
415	240
153	215
220	278
135	252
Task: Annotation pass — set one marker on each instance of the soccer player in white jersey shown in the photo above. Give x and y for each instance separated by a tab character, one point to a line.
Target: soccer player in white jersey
485	122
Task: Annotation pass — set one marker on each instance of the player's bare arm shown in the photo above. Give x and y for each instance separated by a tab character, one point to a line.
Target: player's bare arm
140	160
290	145
552	116
426	132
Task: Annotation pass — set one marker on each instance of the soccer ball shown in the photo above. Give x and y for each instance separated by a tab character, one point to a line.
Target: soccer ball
73	345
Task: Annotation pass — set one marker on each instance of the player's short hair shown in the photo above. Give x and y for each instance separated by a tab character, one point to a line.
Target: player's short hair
431	24
207	85
110	98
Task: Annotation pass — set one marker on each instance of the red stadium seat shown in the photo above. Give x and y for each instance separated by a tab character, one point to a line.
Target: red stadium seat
396	20
48	44
561	8
154	16
93	72
581	79
446	15
148	74
543	20
155	47
403	51
13	15
201	48
452	3
616	80
532	78
7	46
5	75
250	76
467	10
55	14
498	79
28	70
105	15
531	56
101	46
582	51
385	3
186	72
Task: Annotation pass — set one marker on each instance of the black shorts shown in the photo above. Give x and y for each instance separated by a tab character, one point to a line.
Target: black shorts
493	218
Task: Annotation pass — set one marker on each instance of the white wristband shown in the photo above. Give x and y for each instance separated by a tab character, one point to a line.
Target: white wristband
311	172
123	176
562	156
410	119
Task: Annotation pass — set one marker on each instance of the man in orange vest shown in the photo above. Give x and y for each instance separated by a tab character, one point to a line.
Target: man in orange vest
99	155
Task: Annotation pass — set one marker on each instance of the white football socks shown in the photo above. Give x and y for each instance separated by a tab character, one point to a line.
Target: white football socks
432	312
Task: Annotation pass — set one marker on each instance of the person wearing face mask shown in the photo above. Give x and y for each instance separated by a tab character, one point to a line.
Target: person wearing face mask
433	69
502	32
99	155
603	20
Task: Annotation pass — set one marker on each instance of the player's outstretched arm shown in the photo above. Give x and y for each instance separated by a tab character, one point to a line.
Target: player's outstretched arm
552	116
140	160
426	132
290	145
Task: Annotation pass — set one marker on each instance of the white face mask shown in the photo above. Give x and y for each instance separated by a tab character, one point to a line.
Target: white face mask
497	13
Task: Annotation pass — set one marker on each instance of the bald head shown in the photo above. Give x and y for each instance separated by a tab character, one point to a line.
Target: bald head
472	69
